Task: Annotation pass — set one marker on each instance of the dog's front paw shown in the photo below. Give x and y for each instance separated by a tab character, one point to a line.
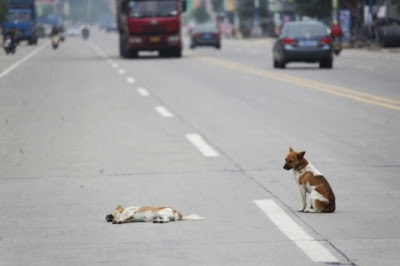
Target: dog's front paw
308	210
301	209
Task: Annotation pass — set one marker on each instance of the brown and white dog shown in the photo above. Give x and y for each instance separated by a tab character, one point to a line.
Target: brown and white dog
311	182
148	214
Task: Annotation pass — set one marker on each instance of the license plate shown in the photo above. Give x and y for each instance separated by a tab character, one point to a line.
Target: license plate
207	36
154	39
308	43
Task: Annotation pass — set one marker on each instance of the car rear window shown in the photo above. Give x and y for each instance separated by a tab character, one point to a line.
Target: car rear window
301	30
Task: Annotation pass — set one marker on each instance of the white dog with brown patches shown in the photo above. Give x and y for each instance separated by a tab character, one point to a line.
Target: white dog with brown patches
148	214
311	182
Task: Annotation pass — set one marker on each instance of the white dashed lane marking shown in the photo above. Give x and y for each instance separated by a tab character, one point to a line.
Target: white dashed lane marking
143	92
202	145
164	112
130	80
312	247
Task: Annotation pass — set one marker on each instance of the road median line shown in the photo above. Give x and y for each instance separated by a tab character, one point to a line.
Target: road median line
327	88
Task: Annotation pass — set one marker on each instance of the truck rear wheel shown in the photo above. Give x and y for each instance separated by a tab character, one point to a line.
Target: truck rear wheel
122	48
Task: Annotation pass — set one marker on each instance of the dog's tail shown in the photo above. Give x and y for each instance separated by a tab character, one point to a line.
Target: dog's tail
192	217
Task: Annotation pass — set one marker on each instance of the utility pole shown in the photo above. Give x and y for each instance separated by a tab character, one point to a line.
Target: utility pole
334	11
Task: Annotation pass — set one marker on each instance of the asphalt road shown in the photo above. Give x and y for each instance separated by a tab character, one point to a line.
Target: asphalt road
82	131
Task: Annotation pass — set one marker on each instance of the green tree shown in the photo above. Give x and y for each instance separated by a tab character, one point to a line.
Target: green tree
201	15
315	8
3	9
246	17
217	5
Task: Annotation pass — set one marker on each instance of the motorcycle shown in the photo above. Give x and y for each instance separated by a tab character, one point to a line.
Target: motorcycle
55	41
337	46
9	45
85	33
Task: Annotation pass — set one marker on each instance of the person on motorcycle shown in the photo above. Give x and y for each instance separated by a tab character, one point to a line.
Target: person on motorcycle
54	31
336	31
13	33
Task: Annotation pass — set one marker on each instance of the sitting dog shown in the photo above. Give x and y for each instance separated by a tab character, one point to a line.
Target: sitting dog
148	214
320	194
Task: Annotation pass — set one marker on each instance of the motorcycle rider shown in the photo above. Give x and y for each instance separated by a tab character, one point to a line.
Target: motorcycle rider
336	31
13	33
12	37
55	36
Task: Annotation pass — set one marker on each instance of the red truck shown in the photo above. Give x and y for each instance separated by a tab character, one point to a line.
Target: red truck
150	25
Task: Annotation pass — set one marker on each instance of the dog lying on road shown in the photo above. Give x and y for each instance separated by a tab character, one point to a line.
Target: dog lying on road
148	214
321	197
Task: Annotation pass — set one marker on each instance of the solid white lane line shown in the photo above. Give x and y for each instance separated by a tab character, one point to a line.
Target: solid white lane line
143	92
130	80
121	71
163	111
312	247
23	60
202	145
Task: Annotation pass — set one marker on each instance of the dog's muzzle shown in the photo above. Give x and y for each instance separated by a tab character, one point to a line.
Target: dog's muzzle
109	218
287	167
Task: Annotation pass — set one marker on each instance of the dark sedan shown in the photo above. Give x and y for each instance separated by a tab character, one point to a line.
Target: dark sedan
303	42
205	35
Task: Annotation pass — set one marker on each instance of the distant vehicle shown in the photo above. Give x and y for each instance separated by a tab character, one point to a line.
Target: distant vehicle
111	26
205	35
73	30
151	25
22	16
303	42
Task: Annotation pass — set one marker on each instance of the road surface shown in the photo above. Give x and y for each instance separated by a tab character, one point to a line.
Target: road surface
83	131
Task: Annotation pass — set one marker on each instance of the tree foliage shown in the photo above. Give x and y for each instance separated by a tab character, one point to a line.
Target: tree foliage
200	14
79	9
3	9
246	12
315	8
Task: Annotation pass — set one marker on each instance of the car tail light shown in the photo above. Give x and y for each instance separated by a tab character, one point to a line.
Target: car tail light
326	40
289	41
215	35
197	35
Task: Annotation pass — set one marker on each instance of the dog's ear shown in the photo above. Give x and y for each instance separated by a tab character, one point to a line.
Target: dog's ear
290	149
300	155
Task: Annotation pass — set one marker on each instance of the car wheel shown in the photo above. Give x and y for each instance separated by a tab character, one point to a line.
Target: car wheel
192	46
281	64
326	63
276	64
218	46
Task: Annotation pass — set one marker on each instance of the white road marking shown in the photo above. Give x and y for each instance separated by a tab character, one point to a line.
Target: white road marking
163	111
121	71
143	92
202	145
23	60
312	247
130	80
